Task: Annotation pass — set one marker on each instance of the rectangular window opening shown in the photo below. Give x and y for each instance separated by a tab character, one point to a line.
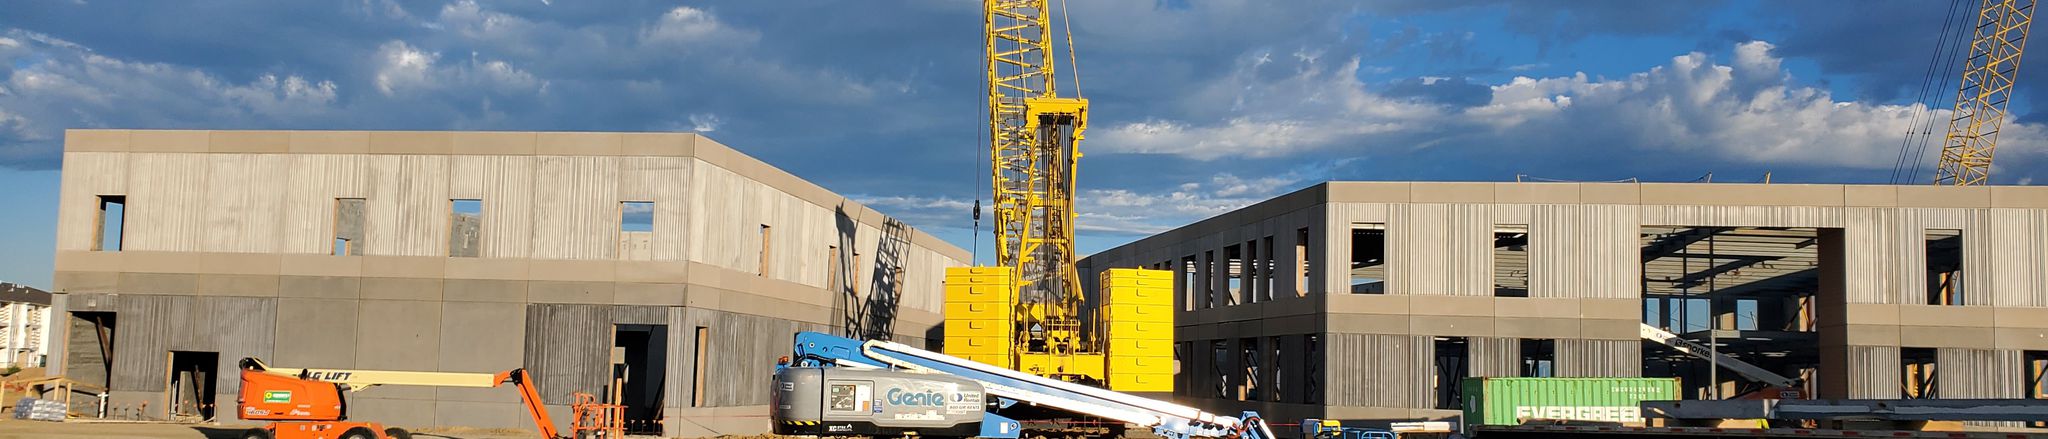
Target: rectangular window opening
1218	367
1369	258
1539	357
1312	369
1452	365
1249	266
1919	369
767	256
700	362
833	278
348	226
1653	312
111	221
1248	369
636	230
2036	381
1511	260
1233	274
465	228
1188	273
1301	263
1746	314
1945	267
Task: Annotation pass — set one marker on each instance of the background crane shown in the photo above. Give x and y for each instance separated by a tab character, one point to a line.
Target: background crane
1993	61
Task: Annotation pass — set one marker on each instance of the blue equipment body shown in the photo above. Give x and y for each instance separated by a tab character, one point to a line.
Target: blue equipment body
1004	387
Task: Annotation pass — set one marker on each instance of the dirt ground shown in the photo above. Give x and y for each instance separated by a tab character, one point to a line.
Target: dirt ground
13	429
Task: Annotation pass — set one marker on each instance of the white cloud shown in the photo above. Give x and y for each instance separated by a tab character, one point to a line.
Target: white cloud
687	26
1123	211
1747	111
704	122
55	85
1112	211
1313	108
404	68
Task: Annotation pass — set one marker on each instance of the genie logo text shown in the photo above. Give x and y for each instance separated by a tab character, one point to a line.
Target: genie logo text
916	398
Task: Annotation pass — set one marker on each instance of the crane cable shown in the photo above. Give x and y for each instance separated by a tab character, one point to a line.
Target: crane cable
1906	165
1959	49
1067	27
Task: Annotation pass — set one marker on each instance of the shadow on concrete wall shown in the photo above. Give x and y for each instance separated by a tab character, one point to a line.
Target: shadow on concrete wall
885	292
873	315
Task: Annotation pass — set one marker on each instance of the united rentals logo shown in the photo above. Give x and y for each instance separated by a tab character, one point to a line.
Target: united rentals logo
277	396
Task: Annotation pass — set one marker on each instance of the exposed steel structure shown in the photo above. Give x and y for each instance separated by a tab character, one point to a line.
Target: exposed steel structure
1994	61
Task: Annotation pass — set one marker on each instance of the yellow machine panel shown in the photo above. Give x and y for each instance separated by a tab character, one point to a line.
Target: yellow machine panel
1137	317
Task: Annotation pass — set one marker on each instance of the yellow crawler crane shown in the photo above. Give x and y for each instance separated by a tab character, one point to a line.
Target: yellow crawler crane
1994	61
1024	313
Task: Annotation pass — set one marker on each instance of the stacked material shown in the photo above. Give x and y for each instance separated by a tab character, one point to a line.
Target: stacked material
39	410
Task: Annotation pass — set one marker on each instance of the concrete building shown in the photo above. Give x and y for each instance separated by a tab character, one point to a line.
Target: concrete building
180	252
24	326
1368	301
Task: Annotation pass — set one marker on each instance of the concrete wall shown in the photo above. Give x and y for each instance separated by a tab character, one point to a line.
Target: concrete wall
228	234
1584	273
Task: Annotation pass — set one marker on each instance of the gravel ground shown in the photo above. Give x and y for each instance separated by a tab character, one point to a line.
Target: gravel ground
12	429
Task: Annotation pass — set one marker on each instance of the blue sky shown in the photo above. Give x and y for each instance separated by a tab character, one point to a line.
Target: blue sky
1199	106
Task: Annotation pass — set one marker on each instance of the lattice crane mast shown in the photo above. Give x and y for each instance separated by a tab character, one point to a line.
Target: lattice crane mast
1994	61
1026	312
1033	139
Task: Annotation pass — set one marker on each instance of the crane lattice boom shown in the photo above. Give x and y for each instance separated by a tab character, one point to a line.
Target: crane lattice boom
1994	60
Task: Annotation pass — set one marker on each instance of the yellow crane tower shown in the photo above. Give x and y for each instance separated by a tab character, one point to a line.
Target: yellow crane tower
1994	60
1024	313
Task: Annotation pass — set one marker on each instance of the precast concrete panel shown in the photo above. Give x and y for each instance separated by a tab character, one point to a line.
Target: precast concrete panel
243	199
315	333
87	176
408	205
575	208
166	209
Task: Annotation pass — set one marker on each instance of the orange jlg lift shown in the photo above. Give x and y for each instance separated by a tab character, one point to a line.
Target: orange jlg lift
308	403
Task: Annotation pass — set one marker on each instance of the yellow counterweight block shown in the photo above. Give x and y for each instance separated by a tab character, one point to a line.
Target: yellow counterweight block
980	314
1137	313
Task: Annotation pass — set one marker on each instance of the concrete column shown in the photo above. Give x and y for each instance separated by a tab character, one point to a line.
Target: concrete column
1831	308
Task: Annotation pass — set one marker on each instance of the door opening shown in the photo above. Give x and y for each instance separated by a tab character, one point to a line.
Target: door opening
192	384
638	380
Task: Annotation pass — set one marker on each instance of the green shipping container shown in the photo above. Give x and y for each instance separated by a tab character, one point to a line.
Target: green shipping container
1509	401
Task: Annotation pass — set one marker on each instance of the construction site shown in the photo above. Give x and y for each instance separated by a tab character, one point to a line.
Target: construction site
267	284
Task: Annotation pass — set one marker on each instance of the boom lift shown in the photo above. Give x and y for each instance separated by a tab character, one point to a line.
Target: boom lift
1777	386
837	386
308	403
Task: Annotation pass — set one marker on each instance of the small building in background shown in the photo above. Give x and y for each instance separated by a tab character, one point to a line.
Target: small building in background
24	321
